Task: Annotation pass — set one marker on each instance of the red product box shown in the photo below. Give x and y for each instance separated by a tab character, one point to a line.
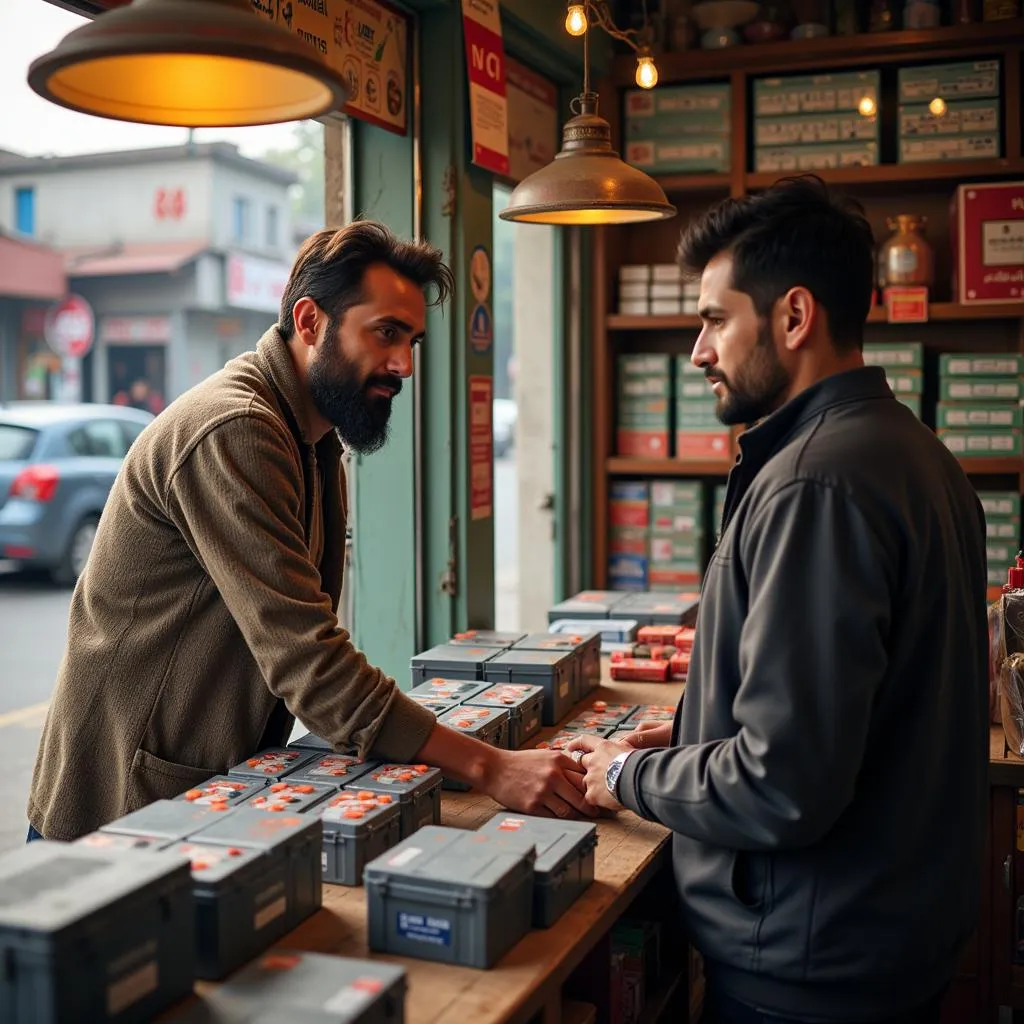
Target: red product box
668	579
704	444
685	638
658	635
628	513
642	444
986	228
679	666
640	670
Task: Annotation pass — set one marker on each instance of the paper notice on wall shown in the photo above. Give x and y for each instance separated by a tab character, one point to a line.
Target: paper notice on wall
481	447
488	101
532	120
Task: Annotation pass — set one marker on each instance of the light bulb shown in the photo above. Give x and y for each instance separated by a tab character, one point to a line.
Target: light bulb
576	20
937	107
646	73
867	106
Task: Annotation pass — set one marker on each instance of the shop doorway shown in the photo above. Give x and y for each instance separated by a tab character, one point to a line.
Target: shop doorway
137	376
525	334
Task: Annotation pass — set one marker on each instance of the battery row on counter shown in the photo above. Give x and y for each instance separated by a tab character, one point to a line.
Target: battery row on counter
119	924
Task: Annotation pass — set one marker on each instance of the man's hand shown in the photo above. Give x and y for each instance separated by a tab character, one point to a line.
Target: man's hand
544	782
649	734
597	754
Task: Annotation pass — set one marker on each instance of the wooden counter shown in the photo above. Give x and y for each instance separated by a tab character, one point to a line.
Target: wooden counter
529	978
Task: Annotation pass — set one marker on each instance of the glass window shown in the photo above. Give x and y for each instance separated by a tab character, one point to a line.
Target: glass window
131	431
100	439
240	221
25	210
272	226
16	443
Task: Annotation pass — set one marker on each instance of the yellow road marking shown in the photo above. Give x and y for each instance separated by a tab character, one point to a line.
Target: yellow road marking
32	715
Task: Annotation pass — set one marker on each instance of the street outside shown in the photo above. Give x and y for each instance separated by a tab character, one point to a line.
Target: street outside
33	627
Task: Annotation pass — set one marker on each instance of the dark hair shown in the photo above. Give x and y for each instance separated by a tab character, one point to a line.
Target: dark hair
329	268
794	234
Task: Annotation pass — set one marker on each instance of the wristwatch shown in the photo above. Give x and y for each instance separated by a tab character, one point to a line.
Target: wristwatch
611	776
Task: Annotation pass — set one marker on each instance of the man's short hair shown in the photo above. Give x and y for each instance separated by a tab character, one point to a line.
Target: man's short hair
331	264
794	234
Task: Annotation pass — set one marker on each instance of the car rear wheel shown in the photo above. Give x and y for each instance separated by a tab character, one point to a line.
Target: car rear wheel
76	554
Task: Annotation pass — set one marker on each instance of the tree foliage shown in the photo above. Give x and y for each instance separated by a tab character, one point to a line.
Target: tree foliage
305	157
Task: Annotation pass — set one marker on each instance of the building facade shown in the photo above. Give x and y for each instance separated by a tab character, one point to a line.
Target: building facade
181	252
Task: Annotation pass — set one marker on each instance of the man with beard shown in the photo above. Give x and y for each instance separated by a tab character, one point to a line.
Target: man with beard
825	776
205	621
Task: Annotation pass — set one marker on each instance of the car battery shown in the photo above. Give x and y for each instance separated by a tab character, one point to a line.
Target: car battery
564	868
451	895
358	826
89	934
523	703
452	691
223	791
113	841
585	647
293	840
290	796
652	713
438	707
332	770
273	763
600	715
561	739
416	788
305	988
169	820
451	661
486	638
657	609
553	671
612	631
489	725
589	604
639	670
240	904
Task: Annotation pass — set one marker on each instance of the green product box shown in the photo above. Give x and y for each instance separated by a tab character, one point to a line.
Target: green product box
957	81
673	493
710	154
776	159
905	382
989	442
674	126
1000	503
979	414
912	402
965	118
693	388
908	355
685	368
975	389
812	94
989	364
641	411
628	540
916	150
678	519
671	548
1002	528
680	103
997	575
815	129
689	417
1001	554
647	364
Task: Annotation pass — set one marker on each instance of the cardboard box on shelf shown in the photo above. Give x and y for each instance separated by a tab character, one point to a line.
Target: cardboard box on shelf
950	81
812	94
987	235
984	443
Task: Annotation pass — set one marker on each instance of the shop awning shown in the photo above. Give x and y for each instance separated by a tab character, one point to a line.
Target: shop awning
131	258
29	270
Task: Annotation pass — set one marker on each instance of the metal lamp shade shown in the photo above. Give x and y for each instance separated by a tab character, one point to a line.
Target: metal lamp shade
587	182
188	63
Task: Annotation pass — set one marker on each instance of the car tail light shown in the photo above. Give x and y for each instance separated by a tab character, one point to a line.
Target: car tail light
36	483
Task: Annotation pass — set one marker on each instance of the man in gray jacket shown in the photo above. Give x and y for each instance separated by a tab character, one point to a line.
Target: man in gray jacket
825	775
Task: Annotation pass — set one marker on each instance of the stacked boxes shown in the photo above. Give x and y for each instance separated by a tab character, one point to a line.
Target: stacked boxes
677	534
965	127
1002	529
904	370
814	122
679	129
629	515
699	432
656	290
979	411
643	408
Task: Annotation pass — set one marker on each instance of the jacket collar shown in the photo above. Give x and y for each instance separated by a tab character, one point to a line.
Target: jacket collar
761	441
276	361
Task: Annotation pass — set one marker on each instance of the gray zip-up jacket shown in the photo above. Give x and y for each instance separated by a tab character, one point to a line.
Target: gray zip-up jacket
827	779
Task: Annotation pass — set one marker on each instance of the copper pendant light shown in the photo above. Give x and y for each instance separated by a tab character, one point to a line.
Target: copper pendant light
587	182
188	63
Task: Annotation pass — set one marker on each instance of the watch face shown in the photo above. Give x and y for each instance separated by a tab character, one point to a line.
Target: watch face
612	775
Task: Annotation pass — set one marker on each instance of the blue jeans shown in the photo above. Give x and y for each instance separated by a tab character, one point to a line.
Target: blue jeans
32	834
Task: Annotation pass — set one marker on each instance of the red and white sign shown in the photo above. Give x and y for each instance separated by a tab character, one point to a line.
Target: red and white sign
138	330
488	102
906	305
169	204
69	327
255	284
532	121
987	228
481	447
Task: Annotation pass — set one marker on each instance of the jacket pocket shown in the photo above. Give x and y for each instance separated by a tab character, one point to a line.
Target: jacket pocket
153	778
750	880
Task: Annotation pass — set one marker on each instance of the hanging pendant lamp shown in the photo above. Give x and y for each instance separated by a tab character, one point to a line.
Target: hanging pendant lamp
188	63
587	182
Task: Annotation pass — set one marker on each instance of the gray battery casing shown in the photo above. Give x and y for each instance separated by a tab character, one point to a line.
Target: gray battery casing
553	671
525	705
93	935
289	796
489	725
450	895
170	820
274	763
655	609
419	796
349	843
439	707
565	860
486	638
330	769
232	790
610	716
590	604
113	841
305	988
585	647
561	739
310	741
451	661
454	691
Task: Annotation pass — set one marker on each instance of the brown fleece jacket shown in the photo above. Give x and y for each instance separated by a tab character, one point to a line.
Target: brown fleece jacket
209	598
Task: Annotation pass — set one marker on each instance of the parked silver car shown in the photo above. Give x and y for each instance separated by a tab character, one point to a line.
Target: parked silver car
57	465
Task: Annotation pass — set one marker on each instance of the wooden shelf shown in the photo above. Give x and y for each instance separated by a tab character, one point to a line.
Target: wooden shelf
673	184
619	466
618	322
992	465
838	51
900	174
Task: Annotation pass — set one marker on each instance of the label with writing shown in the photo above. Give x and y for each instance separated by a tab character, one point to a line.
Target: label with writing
435	931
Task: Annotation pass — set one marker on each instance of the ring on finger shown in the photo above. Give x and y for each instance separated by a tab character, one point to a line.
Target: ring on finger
577	756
